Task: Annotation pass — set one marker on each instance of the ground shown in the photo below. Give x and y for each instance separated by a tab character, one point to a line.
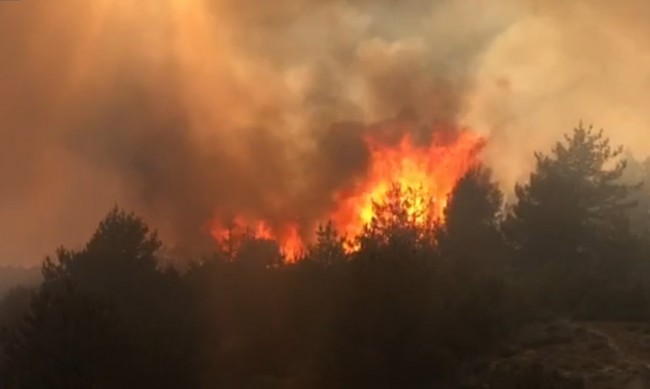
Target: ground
568	355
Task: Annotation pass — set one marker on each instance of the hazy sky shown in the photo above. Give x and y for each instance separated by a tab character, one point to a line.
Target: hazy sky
184	110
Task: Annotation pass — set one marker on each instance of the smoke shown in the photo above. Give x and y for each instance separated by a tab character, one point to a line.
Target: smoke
560	64
187	110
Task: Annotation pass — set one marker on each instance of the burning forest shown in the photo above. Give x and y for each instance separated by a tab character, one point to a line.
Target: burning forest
324	194
430	171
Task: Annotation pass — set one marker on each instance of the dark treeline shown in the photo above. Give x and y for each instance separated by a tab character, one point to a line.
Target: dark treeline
419	304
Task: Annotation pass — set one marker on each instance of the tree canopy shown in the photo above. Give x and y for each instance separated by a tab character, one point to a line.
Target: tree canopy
574	202
412	301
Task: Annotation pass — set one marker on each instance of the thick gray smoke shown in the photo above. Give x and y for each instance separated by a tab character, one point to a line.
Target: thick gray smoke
187	110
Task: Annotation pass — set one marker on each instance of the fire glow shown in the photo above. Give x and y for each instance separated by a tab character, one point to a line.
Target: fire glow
430	171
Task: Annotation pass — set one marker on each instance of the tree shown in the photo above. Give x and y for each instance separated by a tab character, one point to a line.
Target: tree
574	202
68	340
470	237
569	226
329	248
472	251
122	247
384	333
117	269
258	252
402	222
14	305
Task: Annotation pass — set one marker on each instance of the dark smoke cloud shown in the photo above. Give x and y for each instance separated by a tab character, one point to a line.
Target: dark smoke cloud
189	110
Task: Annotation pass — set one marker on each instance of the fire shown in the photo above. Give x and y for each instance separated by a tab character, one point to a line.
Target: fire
431	172
288	238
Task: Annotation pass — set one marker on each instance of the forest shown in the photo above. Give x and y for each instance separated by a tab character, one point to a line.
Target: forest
417	303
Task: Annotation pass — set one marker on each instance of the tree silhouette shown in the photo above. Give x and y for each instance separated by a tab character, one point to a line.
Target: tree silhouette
117	269
574	201
14	305
470	237
570	226
68	340
402	223
419	302
258	252
329	248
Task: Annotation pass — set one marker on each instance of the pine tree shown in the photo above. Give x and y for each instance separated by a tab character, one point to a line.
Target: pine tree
470	238
575	250
574	202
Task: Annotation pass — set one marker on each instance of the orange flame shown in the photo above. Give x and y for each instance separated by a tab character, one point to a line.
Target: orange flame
288	238
431	171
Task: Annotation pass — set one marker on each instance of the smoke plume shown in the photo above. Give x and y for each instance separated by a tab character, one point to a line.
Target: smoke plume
189	110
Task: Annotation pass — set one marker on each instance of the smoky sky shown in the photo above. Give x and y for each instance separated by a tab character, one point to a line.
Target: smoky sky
189	110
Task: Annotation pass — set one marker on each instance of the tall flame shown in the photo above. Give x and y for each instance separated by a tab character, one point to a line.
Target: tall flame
430	171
